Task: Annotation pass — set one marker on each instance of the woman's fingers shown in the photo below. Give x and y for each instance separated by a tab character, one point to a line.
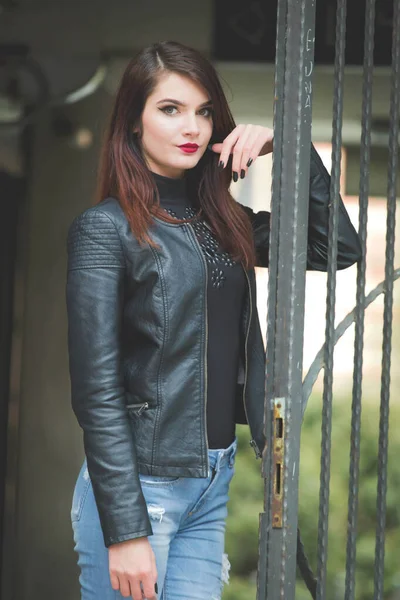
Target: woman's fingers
246	143
246	149
155	573
257	145
136	592
226	148
131	586
243	145
114	581
125	588
148	587
132	564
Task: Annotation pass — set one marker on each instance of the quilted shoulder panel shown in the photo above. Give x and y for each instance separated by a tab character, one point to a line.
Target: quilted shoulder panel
93	241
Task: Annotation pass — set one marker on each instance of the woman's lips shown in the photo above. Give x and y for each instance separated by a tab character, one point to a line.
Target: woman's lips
189	148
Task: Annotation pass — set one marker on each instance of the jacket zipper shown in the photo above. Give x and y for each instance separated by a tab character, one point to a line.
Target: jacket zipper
206	344
141	407
252	441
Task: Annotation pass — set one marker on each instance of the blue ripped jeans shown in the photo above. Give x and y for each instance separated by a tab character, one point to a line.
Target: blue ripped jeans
188	520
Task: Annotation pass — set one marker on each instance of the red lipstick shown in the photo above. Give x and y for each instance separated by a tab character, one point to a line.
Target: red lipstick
189	148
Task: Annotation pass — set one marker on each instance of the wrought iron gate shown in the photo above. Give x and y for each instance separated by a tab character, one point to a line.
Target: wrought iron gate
286	393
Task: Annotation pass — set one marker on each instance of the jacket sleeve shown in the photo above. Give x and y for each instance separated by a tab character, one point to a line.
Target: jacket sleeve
94	294
349	247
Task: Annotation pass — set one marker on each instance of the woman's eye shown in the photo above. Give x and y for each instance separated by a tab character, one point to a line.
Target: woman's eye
205	112
167	111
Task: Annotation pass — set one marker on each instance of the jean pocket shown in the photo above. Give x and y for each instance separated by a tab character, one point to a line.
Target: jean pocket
157	480
80	492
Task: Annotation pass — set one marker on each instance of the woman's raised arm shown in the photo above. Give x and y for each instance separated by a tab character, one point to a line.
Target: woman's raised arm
349	247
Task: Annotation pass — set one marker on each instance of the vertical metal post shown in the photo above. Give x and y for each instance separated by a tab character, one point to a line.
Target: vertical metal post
369	30
394	130
322	550
289	208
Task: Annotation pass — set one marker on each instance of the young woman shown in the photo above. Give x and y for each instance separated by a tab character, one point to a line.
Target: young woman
165	348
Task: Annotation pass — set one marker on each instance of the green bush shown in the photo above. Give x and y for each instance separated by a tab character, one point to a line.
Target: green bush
246	502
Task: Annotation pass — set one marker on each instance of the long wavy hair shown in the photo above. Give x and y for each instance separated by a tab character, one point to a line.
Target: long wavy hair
124	174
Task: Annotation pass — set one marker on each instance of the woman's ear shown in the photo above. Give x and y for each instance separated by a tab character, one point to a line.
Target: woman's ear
137	129
137	134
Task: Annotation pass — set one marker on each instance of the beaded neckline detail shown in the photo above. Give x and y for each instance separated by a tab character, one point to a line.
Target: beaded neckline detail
210	247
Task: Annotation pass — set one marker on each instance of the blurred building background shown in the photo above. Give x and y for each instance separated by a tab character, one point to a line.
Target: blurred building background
47	176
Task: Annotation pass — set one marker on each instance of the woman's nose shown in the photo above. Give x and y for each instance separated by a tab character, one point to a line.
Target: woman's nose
192	124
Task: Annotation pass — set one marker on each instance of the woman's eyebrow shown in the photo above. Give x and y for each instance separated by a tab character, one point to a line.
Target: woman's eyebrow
207	103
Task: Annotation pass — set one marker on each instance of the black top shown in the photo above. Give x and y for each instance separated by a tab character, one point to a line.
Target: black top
225	293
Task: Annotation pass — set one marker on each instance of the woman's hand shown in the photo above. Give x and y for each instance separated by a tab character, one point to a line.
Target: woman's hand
132	563
245	142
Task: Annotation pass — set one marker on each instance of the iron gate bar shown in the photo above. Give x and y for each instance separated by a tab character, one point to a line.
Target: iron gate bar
365	152
264	548
305	567
388	307
292	144
323	521
343	326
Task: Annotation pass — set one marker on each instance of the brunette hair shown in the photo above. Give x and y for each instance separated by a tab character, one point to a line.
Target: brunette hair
124	174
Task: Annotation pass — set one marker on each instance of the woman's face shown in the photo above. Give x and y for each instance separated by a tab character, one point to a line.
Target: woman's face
178	112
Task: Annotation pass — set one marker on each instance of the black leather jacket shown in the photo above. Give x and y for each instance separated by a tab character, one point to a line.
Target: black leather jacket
137	333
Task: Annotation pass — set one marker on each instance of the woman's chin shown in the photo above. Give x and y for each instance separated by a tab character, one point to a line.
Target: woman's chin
186	162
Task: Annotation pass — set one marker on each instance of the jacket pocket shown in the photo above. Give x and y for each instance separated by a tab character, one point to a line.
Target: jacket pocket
137	409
